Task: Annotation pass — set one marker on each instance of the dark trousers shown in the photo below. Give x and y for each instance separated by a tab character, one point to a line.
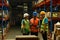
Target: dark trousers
34	33
26	33
44	35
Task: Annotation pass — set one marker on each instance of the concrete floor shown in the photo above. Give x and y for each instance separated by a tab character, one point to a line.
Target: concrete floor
11	35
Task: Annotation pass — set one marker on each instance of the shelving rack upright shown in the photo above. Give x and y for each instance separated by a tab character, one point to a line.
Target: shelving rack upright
3	6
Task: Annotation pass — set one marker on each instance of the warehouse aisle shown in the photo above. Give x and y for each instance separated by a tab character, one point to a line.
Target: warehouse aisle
13	32
11	35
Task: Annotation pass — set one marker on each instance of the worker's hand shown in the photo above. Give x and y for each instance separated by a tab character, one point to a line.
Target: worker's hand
42	31
22	26
30	30
31	24
38	29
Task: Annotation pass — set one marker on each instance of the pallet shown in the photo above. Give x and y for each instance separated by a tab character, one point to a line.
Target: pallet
26	37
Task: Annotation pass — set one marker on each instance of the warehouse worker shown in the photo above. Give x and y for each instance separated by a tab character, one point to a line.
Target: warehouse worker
44	25
25	24
34	24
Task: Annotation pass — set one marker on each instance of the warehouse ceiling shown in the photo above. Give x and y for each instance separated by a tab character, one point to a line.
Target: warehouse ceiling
19	2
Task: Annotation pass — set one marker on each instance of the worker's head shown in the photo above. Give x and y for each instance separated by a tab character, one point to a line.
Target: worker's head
42	13
34	14
26	15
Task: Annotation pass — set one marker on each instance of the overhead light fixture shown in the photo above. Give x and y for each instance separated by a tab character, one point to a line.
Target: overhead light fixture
0	14
19	6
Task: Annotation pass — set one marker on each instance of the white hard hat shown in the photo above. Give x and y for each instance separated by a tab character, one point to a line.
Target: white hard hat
26	14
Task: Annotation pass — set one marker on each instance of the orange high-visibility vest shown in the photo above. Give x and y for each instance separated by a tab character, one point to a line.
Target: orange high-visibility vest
34	24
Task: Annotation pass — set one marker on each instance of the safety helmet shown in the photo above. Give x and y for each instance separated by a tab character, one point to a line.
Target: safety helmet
42	12
26	14
34	13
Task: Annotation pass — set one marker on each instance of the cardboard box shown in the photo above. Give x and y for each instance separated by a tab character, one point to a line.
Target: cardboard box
57	30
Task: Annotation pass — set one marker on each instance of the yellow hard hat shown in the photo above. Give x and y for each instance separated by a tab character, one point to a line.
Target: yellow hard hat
42	12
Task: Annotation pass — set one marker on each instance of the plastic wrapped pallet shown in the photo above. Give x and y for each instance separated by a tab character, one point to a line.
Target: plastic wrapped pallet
57	30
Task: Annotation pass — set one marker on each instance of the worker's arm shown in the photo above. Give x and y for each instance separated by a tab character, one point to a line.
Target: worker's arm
31	22
45	23
22	24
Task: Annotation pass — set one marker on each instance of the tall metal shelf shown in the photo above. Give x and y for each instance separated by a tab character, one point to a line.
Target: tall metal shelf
3	10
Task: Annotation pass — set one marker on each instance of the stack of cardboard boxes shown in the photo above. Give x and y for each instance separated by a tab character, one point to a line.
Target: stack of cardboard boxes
57	30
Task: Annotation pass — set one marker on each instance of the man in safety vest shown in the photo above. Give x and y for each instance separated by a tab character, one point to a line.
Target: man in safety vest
34	24
44	25
25	26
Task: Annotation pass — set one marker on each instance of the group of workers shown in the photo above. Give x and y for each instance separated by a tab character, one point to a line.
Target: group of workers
34	26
